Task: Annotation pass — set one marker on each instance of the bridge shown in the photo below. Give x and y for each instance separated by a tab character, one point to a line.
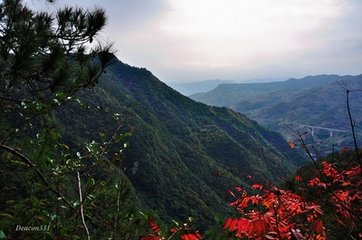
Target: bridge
330	130
312	128
308	126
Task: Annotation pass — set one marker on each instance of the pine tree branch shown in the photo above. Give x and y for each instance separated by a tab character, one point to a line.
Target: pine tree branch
27	161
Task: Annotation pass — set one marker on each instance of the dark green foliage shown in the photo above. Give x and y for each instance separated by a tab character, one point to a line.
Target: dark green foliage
72	189
63	140
182	155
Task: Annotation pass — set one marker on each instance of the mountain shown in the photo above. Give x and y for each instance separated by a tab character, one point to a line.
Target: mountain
227	95
314	100
188	88
182	155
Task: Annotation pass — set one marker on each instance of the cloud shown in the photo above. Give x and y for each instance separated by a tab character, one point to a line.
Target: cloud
184	40
235	36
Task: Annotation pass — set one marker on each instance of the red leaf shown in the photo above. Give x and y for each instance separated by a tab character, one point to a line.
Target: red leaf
227	223
257	186
298	178
243	225
318	226
154	227
244	203
346	183
233	224
257	227
191	236
292	144
240	225
150	237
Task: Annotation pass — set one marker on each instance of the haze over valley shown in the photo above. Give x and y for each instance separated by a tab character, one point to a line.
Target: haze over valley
314	105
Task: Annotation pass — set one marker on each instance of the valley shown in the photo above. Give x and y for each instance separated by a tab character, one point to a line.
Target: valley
314	106
93	147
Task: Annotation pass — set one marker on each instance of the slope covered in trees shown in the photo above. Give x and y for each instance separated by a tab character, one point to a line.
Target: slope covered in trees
90	146
182	155
315	100
232	94
51	190
68	112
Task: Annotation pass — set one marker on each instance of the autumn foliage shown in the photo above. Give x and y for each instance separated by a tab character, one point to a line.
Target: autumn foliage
181	231
332	197
340	192
274	213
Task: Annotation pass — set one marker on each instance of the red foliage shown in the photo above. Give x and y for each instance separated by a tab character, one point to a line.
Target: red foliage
257	186
155	231
281	214
157	235
150	237
274	214
191	236
342	189
298	178
153	225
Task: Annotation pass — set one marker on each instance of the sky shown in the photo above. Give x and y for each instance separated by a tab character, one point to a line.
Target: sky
196	40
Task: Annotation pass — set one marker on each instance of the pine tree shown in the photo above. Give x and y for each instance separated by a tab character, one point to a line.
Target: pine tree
39	51
45	60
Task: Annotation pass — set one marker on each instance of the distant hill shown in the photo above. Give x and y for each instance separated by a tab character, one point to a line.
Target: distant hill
313	100
188	88
182	155
227	95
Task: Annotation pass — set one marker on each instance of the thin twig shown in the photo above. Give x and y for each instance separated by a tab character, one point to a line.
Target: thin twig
116	220
351	122
112	137
81	205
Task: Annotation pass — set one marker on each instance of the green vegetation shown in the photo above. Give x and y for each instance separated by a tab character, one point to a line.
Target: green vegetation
184	151
51	189
94	148
313	100
323	203
231	94
68	112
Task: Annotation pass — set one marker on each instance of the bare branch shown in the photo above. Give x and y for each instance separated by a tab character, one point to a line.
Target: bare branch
351	121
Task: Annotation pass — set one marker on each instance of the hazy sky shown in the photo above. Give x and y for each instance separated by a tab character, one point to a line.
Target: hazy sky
194	40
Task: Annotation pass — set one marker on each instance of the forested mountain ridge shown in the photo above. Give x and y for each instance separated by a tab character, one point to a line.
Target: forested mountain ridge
314	100
92	148
231	94
182	155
